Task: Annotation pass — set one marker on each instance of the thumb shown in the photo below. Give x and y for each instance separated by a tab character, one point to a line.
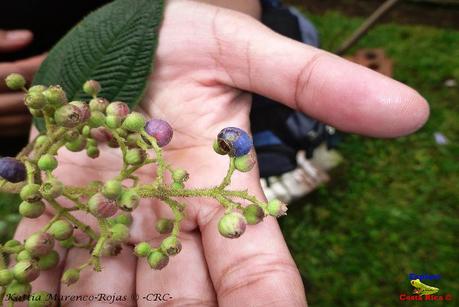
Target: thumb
14	39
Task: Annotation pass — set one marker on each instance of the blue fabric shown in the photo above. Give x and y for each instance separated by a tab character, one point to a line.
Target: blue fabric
308	31
265	138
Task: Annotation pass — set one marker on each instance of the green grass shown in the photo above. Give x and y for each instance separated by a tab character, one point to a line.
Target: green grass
392	207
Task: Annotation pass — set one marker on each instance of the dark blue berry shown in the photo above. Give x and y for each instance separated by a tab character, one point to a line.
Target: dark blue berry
12	170
160	130
234	141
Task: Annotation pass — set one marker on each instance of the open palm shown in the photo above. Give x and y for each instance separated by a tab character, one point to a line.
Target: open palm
206	61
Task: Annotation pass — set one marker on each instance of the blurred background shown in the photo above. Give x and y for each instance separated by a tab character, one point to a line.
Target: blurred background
391	207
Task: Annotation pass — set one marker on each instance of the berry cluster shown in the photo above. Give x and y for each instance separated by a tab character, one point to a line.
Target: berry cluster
82	126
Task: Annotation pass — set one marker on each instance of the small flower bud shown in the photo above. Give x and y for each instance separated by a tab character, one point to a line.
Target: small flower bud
253	214
69	243
91	142
52	188
113	121
236	142
15	82
180	175
124	218
41	140
91	87
98	104
61	230
217	148
13	246
68	116
101	206
12	170
118	109
55	96
41	299
112	189
97	119
129	200
177	185
111	248
132	139
93	152
143	249
35	100
245	163
84	109
47	162
6	276
37	88
160	130
31	210
78	145
134	122
70	277
276	208
86	131
48	261
164	226
25	271
171	246
122	132
18	291
135	156
157	260
119	232
232	225
39	244
24	255
30	192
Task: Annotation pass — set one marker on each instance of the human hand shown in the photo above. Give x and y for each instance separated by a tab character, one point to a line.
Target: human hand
14	117
207	58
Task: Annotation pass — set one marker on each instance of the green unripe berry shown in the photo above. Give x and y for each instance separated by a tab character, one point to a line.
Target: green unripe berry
91	87
78	145
134	122
157	260
71	135
37	88
253	214
55	96
68	116
30	192
129	200
48	261
70	276
232	225
93	152
113	121
69	243
119	233
31	210
244	163
39	244
171	246
111	248
35	100
13	246
5	277
24	255
98	104
118	108
61	230
143	249
135	156
121	132
218	149
83	107
124	218
164	226
47	162
180	175
112	189
18	291
97	119
25	271
101	206
86	131
41	140
276	208
132	139
91	142
177	185
52	188
15	82
41	299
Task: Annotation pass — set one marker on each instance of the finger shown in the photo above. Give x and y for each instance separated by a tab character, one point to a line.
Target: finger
26	67
14	39
256	265
327	87
15	120
185	281
113	286
48	280
12	103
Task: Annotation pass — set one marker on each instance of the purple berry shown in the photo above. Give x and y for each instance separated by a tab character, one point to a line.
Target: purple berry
236	142
12	170
160	130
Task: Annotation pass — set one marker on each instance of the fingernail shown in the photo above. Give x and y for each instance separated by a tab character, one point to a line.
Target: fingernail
17	35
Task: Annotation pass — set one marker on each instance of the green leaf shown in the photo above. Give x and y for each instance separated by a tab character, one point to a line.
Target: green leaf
114	45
